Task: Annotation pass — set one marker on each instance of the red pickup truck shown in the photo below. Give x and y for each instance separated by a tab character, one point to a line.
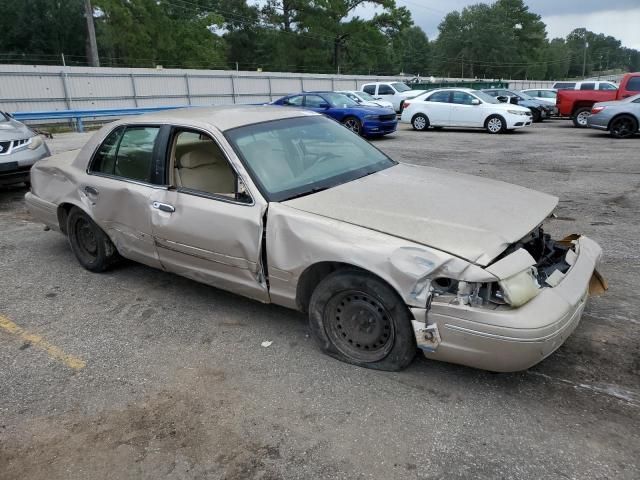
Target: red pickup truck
577	103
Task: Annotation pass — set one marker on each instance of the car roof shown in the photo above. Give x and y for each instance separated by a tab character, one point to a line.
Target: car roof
222	117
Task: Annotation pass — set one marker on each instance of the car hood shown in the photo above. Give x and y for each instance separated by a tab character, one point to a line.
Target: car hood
374	110
470	217
13	130
510	106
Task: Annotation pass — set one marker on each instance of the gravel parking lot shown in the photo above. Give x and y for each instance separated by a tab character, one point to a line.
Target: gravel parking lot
136	373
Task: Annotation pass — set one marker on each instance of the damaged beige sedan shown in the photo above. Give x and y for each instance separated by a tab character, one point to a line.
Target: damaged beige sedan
289	207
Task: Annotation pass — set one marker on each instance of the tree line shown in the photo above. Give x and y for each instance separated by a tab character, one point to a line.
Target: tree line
501	40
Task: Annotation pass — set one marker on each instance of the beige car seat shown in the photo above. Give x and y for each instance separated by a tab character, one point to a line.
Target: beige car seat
204	168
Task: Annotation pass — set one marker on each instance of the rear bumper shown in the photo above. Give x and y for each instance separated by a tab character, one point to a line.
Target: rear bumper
42	211
507	340
598	121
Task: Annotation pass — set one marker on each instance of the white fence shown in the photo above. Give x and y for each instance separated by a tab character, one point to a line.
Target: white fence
44	88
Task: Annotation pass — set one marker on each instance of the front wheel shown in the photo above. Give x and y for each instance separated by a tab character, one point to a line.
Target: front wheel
91	246
537	116
623	126
357	318
420	122
580	117
495	124
353	124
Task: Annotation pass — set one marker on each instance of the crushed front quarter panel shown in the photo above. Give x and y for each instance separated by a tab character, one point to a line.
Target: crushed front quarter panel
297	240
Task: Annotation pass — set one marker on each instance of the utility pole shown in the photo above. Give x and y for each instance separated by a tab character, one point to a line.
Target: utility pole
92	45
584	58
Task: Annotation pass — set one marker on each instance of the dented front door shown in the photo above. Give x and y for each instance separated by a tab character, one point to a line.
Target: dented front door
210	240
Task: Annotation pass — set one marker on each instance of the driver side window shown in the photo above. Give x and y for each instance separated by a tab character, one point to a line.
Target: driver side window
200	166
385	90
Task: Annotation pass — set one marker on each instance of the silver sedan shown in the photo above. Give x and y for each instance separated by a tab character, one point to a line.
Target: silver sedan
20	148
621	118
286	206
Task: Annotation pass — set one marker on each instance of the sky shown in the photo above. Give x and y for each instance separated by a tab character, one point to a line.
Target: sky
618	18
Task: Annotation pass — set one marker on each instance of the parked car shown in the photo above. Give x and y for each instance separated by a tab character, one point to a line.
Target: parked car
363	98
546	94
285	206
585	85
394	92
540	109
620	117
463	107
577	104
365	121
20	148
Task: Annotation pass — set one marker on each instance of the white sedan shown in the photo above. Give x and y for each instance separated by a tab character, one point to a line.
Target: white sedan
463	107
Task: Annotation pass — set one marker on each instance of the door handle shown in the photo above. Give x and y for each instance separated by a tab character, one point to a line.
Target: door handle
164	207
91	191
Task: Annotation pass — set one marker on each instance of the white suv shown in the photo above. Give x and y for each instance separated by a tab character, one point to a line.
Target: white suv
394	92
585	85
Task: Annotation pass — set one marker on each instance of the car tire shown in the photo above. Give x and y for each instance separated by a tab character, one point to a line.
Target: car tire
495	124
353	124
623	126
357	318
580	116
420	122
91	246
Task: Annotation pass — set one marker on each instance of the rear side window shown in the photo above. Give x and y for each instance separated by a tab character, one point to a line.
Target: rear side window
588	86
441	97
634	84
370	89
127	152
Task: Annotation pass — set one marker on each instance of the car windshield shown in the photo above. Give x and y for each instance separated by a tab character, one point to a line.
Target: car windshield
526	96
4	117
365	96
400	87
339	100
486	98
298	156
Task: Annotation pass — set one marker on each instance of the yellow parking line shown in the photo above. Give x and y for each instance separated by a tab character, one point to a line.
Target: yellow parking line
37	341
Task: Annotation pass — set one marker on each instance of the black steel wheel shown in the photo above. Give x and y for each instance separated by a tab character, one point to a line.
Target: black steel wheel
91	246
357	318
623	126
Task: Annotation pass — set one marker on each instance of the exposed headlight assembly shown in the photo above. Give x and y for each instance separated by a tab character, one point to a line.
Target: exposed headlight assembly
35	142
516	112
517	277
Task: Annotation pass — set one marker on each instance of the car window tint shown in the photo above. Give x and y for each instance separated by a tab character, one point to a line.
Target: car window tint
547	94
633	85
385	90
297	100
607	86
104	160
462	98
199	165
134	157
314	101
441	97
588	86
370	89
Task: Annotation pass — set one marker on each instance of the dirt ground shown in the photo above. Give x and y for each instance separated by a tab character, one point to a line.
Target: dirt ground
170	379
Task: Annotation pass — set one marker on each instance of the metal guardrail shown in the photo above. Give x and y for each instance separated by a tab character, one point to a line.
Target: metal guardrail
77	115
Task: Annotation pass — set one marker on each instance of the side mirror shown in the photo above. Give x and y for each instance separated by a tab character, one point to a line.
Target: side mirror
502	99
475	101
514	100
377	98
324	105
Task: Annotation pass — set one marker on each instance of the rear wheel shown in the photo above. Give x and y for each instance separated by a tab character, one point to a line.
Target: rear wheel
623	126
580	117
420	122
357	318
91	246
495	124
353	124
